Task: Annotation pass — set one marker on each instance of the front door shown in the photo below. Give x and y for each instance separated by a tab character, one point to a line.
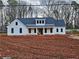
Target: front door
40	31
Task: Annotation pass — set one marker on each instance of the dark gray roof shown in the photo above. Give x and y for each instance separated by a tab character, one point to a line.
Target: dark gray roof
30	21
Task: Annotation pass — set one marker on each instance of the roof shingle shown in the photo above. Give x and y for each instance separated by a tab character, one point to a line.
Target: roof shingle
29	21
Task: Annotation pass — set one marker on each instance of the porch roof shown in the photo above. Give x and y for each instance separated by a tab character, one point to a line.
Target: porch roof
41	26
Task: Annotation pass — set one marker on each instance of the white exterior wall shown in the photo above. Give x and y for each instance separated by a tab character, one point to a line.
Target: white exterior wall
16	28
59	30
54	31
25	30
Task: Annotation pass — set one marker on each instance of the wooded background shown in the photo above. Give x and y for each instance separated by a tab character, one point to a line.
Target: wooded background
60	10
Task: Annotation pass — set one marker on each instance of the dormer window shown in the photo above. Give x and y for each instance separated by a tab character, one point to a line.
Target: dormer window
43	21
40	21
37	22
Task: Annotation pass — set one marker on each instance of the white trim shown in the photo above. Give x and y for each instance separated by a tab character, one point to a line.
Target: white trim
39	21
27	26
14	21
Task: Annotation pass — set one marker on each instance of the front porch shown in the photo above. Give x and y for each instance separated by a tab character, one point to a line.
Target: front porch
40	31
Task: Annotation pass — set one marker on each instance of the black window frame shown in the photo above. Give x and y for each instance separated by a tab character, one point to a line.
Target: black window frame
12	30
57	30
37	21
61	30
20	30
42	21
51	30
34	30
29	30
16	23
45	30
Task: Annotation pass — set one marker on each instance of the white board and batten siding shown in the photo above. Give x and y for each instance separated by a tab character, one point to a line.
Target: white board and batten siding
54	31
25	29
17	28
59	30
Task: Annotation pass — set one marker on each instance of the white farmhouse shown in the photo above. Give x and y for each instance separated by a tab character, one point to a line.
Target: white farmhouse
36	26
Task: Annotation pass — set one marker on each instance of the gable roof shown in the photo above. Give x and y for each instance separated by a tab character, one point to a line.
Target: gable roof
32	21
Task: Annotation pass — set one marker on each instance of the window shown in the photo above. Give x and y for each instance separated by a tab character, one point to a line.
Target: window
51	30
61	30
40	22
29	30
12	30
16	23
35	30
45	30
37	22
20	30
57	30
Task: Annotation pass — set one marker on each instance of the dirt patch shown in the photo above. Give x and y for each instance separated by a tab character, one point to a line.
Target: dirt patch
39	47
74	36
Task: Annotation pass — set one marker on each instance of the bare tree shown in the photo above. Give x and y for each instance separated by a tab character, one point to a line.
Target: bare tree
48	9
11	10
1	14
30	11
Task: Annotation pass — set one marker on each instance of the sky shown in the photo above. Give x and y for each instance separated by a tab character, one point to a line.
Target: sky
35	1
77	1
5	2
